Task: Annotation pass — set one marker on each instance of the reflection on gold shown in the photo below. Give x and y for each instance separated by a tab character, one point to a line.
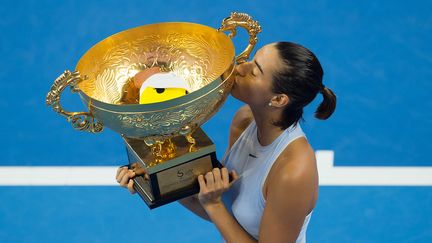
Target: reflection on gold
162	151
203	56
130	93
197	53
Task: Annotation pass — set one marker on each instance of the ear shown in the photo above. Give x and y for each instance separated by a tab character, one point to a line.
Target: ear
280	100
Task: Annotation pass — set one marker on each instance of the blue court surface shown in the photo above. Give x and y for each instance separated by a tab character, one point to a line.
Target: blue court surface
377	58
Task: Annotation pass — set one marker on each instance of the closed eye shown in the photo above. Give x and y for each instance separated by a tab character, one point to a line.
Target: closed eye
253	71
259	67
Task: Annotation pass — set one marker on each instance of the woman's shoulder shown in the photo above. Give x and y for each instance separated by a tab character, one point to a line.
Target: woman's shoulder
240	122
297	162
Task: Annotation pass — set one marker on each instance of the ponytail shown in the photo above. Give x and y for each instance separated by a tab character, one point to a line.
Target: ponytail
327	106
300	78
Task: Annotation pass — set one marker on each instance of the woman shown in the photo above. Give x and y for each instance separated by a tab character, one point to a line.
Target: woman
274	171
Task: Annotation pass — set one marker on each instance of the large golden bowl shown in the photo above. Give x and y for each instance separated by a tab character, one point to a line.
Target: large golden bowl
203	56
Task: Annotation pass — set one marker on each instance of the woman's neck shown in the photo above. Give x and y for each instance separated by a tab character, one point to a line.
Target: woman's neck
267	132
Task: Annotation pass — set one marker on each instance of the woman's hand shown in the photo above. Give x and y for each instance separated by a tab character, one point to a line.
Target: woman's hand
213	184
124	176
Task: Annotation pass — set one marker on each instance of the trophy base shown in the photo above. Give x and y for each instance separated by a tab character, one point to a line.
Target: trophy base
175	178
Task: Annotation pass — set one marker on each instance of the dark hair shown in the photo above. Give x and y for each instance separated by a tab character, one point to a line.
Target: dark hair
301	81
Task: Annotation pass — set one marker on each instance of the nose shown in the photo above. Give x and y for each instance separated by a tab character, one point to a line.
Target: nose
243	68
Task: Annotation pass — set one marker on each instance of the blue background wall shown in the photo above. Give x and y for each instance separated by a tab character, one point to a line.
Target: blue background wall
377	58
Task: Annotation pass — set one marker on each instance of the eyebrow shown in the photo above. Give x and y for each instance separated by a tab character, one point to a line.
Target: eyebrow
259	66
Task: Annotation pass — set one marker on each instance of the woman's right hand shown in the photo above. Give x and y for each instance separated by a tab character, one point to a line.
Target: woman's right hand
124	178
125	175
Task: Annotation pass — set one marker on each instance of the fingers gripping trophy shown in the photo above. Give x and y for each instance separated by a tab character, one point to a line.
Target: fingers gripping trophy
156	85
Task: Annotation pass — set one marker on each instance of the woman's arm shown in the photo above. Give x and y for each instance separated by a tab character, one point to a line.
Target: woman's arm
193	205
291	190
212	185
286	207
227	225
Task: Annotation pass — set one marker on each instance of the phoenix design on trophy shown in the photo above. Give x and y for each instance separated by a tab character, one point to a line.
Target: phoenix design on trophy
156	85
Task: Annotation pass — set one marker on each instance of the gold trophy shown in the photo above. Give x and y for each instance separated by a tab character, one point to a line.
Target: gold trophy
163	139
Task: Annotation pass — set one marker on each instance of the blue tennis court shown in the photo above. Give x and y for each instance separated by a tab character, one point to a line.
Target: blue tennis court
376	177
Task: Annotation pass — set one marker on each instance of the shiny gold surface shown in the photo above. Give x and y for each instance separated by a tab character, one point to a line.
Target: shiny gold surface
144	156
203	56
80	120
162	151
197	53
243	20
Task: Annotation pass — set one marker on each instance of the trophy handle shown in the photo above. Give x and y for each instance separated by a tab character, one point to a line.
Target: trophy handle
243	20
83	121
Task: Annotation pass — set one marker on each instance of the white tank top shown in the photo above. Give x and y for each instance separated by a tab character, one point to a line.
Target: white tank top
252	162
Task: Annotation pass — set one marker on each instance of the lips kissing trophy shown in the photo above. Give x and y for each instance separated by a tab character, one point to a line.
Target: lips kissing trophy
156	85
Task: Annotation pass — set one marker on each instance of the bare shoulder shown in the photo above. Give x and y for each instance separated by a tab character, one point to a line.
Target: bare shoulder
295	173
240	122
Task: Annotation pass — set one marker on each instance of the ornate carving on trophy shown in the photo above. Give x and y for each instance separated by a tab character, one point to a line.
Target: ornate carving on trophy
120	81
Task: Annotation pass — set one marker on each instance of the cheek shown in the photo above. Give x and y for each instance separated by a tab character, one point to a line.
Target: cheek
240	90
247	88
261	93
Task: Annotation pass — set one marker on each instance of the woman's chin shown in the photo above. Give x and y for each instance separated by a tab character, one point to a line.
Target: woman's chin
235	90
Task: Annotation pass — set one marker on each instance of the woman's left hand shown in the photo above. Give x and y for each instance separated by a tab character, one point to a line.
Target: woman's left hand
213	184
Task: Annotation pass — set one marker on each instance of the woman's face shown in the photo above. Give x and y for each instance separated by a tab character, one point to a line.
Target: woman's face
253	80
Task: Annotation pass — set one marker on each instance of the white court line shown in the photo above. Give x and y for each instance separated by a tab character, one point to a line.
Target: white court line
328	173
58	175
